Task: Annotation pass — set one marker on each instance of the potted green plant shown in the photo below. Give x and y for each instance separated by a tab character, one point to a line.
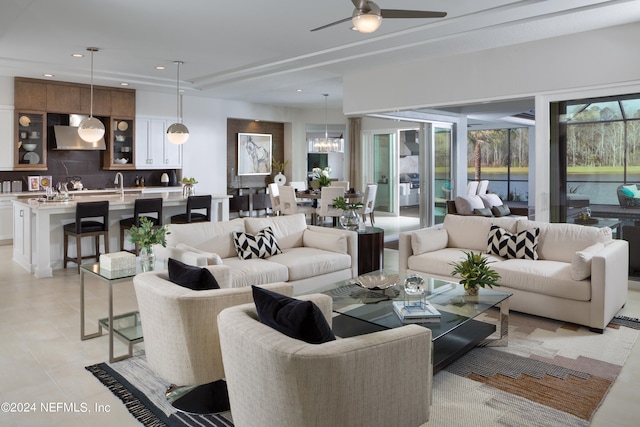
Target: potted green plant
349	218
145	236
475	272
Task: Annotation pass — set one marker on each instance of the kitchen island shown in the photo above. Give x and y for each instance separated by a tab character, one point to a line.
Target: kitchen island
38	242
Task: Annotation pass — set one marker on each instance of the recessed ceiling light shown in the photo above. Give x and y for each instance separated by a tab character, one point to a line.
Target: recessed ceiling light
47	75
77	55
159	67
124	84
298	90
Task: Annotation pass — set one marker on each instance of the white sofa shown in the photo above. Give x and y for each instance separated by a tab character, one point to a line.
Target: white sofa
311	256
552	286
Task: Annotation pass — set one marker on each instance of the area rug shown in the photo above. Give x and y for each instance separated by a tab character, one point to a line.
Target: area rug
551	374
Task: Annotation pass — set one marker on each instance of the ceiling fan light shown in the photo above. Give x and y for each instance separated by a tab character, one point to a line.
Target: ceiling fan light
366	22
91	129
177	133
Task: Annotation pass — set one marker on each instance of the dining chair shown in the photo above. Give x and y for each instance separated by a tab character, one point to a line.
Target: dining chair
327	195
274	195
343	184
368	202
289	205
301	186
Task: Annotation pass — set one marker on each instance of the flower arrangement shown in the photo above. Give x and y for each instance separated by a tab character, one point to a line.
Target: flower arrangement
322	176
146	235
341	203
475	272
279	167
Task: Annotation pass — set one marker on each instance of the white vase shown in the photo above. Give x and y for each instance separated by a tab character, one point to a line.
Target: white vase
280	179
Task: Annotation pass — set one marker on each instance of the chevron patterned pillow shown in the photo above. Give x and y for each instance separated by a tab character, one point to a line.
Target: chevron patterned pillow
505	244
260	245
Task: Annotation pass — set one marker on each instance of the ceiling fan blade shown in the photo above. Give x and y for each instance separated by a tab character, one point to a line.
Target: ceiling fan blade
332	24
396	13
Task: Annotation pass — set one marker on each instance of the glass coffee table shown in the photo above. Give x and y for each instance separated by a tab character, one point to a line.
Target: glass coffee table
126	326
363	310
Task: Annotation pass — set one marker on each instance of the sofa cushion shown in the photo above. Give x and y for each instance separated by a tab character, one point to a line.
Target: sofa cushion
288	229
483	212
188	276
545	277
502	210
301	320
212	258
466	204
428	239
212	237
581	262
631	190
626	191
260	245
439	262
559	241
470	232
256	271
498	241
305	262
490	200
328	241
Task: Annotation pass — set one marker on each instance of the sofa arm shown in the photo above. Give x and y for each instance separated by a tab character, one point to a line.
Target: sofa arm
609	282
404	251
352	243
187	257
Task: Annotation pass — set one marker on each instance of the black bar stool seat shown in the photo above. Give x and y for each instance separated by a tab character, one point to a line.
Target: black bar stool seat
142	208
86	226
193	203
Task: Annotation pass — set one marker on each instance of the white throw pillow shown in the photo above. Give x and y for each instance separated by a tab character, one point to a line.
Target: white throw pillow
212	257
466	204
490	200
429	240
581	263
326	241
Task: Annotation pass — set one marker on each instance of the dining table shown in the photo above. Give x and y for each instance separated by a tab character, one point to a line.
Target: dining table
314	195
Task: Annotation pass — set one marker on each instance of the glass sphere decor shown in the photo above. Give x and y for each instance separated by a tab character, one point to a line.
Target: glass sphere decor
91	129
414	292
177	134
350	219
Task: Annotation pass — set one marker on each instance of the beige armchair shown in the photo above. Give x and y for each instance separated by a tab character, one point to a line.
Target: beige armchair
378	379
180	330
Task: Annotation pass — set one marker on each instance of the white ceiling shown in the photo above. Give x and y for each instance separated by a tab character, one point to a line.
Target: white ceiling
263	51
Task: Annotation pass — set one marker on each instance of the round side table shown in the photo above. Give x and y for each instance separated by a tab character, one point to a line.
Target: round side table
370	249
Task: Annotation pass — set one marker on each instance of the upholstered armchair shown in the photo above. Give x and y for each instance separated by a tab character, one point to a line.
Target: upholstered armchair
627	197
378	379
179	325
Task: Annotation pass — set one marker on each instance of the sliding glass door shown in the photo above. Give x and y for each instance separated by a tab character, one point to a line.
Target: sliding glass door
384	155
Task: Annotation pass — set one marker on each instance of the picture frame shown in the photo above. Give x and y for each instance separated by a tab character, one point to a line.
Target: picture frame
45	182
34	183
254	153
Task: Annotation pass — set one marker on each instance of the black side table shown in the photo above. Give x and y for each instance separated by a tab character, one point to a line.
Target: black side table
370	249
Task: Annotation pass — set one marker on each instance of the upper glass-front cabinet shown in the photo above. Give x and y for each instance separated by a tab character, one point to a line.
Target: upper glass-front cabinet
31	141
120	149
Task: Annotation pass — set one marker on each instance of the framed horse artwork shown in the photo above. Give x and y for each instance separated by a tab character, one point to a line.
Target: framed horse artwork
254	154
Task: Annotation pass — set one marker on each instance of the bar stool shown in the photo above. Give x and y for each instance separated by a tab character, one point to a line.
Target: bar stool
87	228
141	207
194	202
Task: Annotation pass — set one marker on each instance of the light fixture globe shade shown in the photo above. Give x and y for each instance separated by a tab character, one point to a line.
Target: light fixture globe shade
177	133
366	22
91	129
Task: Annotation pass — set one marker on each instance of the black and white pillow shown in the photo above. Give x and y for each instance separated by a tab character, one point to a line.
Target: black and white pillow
260	245
523	245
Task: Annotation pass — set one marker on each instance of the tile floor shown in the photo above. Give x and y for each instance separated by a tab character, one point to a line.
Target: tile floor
42	358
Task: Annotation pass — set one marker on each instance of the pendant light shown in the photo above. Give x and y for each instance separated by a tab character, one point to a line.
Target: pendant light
178	133
90	128
326	144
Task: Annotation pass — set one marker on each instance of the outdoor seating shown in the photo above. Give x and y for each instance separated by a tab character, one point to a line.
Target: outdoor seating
628	196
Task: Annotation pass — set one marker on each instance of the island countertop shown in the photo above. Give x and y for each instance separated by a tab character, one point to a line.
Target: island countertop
38	243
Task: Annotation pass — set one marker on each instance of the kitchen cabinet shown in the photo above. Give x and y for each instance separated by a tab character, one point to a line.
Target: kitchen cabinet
153	149
30	140
6	139
30	94
6	218
22	235
123	102
120	153
101	102
62	98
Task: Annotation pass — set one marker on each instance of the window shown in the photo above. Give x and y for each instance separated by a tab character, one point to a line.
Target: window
502	157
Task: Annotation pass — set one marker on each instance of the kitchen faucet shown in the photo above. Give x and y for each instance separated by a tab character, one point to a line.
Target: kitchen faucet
115	181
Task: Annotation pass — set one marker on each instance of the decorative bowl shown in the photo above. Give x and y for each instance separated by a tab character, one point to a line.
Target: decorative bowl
120	138
29	147
121	161
377	282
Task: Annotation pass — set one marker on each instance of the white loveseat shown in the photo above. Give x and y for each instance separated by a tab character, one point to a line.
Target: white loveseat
580	275
311	255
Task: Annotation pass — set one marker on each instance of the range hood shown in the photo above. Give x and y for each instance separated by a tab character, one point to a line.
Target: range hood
67	138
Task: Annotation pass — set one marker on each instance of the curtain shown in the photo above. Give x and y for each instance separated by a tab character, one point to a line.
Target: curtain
355	153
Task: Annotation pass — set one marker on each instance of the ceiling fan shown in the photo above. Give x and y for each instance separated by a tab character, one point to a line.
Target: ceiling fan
367	16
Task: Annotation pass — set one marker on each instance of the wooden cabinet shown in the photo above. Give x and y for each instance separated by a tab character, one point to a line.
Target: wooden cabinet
123	103
6	139
120	153
30	95
30	140
62	98
101	102
153	149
